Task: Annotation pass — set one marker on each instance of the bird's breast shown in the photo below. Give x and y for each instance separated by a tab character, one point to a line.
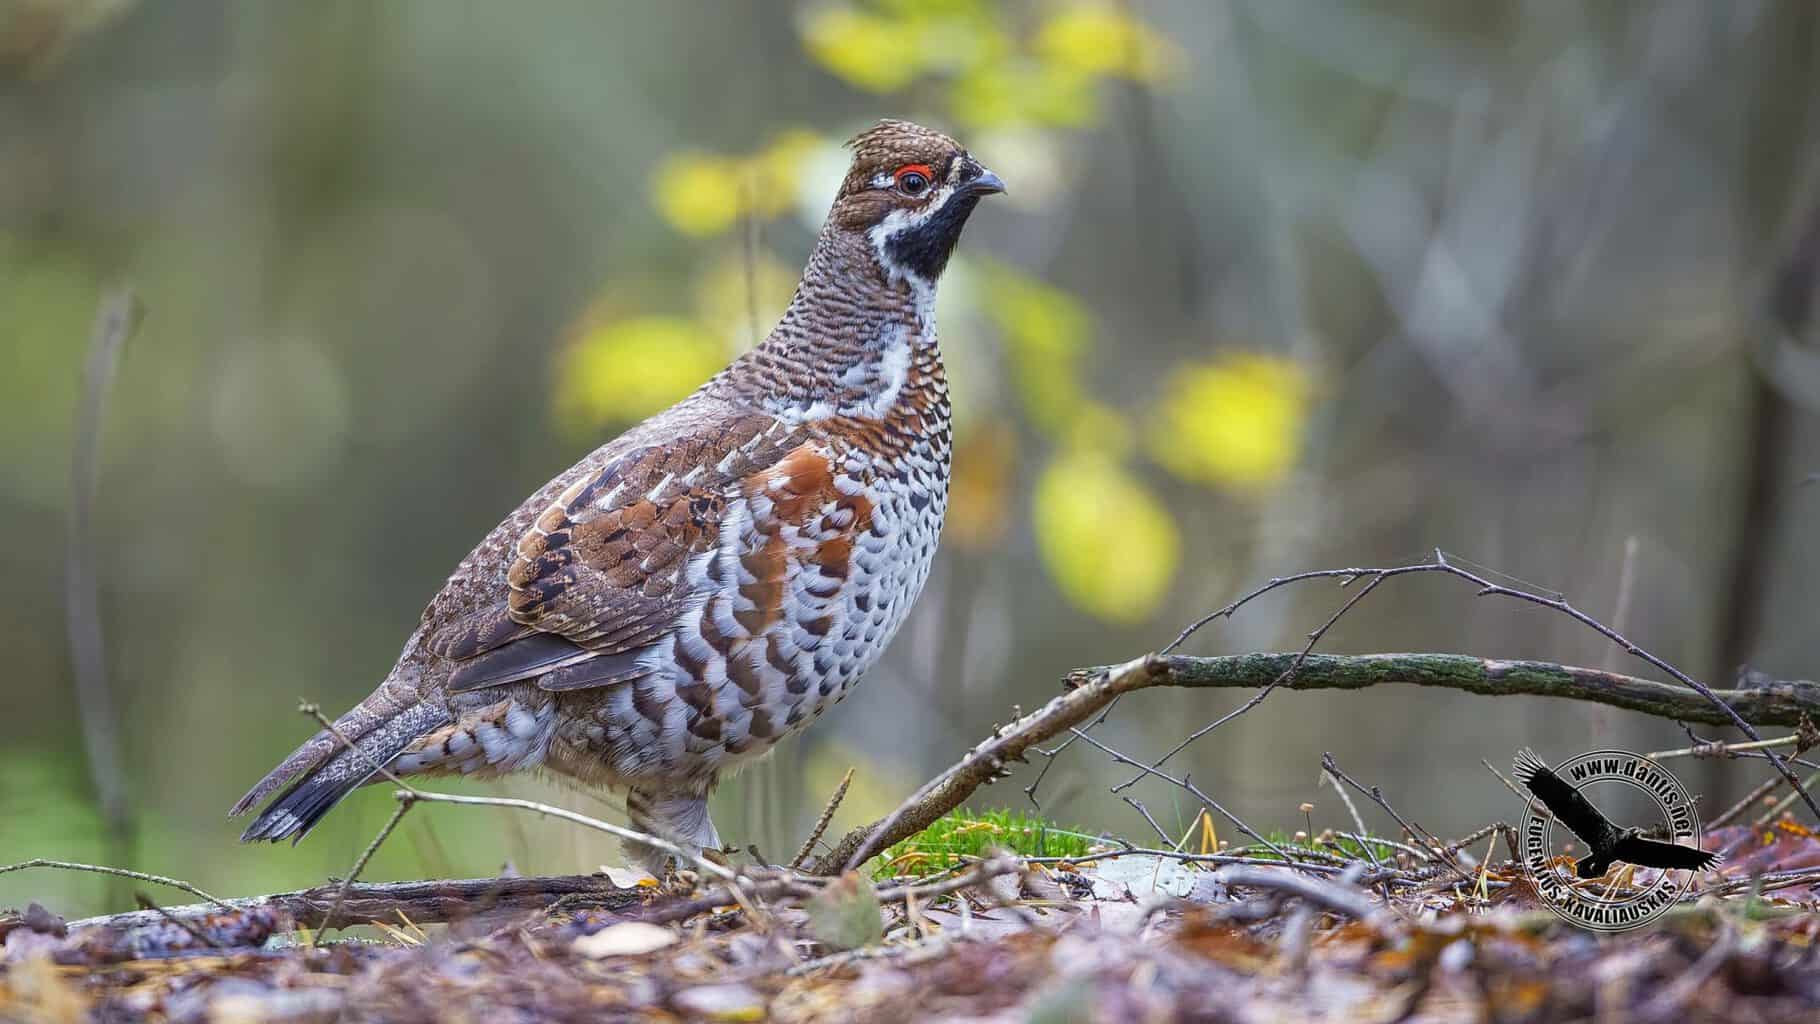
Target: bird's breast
820	559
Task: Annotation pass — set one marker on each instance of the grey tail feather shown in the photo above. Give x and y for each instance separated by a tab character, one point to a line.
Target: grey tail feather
324	770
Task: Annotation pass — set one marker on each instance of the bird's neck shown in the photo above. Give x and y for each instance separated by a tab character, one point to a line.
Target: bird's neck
853	343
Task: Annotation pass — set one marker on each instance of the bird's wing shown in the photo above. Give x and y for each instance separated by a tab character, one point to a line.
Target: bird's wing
604	571
1651	853
1564	801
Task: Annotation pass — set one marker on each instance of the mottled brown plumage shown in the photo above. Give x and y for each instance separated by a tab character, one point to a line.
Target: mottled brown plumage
713	579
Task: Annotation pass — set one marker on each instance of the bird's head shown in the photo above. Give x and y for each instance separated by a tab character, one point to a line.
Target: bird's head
908	193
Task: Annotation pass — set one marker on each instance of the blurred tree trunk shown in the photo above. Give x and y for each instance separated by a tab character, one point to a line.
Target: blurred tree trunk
1775	150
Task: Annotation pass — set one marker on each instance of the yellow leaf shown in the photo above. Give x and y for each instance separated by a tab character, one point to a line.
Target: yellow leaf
697	193
703	194
1045	331
1110	544
1237	421
1011	94
624	371
875	53
1102	40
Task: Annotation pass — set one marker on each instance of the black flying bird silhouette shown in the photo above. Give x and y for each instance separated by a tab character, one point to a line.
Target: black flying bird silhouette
1608	842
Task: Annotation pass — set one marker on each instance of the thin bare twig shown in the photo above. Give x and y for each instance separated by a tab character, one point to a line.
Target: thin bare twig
1750	799
1721	749
632	835
1786	802
1258	698
821	823
360	864
1376	795
1311	867
1051	754
982	871
1145	811
99	869
1184	783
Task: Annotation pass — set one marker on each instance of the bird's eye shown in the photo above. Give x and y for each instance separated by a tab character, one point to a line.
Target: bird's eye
912	180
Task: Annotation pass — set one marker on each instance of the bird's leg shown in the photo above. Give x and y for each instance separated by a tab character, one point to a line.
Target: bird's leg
681	817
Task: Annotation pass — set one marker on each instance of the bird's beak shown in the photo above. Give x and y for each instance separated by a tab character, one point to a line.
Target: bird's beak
985	184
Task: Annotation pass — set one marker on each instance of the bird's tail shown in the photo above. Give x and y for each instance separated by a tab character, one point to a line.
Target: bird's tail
336	762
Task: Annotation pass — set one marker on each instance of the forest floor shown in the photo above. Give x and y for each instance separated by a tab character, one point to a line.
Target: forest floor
1386	931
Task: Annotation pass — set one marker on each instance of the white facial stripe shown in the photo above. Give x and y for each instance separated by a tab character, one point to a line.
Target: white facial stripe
898	221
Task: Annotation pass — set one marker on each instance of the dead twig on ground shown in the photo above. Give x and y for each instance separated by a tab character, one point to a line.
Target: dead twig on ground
432	901
821	823
1329	896
1184	783
1416	832
360	863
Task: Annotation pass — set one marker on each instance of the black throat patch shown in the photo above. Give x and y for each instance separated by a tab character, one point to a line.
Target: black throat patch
924	249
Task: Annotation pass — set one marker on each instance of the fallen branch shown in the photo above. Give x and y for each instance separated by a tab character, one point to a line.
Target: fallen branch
1441	564
1780	703
1333	897
425	902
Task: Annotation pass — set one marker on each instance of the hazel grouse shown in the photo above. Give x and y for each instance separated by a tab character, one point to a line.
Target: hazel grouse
715	578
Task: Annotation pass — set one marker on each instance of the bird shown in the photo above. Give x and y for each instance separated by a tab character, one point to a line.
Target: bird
715	578
1608	842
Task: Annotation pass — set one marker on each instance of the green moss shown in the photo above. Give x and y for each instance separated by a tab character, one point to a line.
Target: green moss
1341	845
962	834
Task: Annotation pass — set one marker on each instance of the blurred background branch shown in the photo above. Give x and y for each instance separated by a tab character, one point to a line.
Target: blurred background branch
115	319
